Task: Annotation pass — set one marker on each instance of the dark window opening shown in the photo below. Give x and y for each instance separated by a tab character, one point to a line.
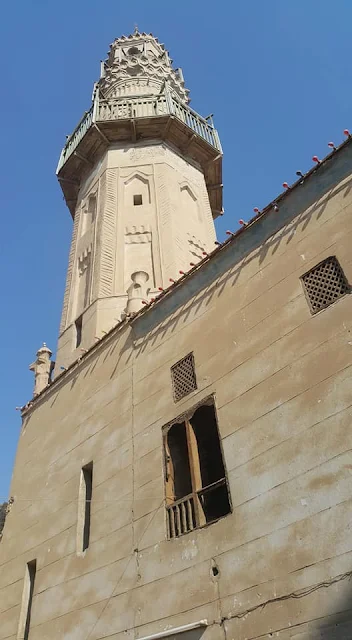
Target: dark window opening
88	275
27	599
133	51
137	199
215	502
210	457
214	497
324	284
86	491
196	484
92	207
78	326
178	453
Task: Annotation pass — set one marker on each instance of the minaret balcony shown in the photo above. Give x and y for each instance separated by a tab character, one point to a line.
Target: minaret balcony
138	119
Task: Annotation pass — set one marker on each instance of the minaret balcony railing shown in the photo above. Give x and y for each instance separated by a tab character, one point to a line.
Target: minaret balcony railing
75	138
122	108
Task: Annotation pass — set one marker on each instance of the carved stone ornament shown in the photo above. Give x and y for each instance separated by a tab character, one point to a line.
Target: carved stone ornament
138	234
137	292
139	65
43	368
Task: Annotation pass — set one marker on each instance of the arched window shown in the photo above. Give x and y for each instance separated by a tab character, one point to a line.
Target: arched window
195	477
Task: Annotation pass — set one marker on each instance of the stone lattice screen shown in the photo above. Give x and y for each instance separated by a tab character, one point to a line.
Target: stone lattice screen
183	377
324	284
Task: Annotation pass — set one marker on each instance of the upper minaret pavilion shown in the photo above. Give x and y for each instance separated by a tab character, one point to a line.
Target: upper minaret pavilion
141	176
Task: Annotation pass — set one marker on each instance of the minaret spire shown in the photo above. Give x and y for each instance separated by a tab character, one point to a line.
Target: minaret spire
141	175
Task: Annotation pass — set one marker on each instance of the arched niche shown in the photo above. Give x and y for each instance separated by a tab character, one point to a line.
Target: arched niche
189	202
137	192
89	211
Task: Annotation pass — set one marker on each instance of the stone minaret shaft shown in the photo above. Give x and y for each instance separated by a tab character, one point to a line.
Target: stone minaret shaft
141	175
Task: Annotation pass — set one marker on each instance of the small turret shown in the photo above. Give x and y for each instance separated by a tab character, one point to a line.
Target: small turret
43	368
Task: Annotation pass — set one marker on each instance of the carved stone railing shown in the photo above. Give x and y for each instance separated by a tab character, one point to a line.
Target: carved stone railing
75	138
127	108
139	107
194	121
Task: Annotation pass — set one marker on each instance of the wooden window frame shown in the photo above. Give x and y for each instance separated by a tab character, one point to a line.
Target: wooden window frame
188	509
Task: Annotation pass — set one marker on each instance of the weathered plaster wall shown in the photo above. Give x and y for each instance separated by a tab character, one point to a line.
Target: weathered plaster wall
281	380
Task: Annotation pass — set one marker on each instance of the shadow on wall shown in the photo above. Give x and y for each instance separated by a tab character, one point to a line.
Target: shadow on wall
264	238
339	625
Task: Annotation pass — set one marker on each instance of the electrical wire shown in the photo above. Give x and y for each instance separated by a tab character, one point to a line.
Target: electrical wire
307	591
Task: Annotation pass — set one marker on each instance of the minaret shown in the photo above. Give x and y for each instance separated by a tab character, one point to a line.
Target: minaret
141	176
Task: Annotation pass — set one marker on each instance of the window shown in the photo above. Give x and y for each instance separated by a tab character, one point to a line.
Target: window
134	51
92	207
78	326
183	377
195	478
137	199
324	284
84	507
27	597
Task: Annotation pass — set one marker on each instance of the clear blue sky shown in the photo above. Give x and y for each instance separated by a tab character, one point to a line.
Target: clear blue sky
276	74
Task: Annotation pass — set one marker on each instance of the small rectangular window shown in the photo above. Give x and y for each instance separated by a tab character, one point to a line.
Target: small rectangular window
195	476
27	598
92	207
137	199
78	327
84	507
324	284
183	377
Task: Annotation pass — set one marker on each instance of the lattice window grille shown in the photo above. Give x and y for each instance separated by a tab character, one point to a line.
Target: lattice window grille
183	377
324	284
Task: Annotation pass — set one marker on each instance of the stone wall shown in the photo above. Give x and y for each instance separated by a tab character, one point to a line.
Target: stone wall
281	381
